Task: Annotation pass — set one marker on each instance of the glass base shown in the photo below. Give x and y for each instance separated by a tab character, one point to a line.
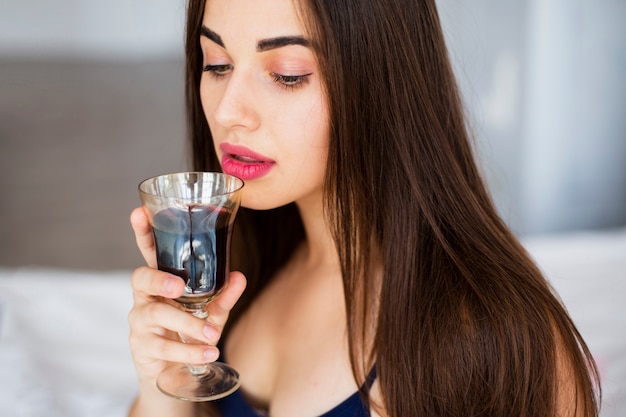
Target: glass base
219	381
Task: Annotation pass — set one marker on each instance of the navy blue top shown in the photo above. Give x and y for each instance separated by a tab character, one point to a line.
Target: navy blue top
235	405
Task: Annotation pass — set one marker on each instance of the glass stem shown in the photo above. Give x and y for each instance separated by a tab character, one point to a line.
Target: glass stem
203	369
200	313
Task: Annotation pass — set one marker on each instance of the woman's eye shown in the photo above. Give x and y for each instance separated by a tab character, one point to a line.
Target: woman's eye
290	81
218	70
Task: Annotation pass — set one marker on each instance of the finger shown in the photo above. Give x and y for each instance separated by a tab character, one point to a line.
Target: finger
157	316
143	235
175	351
150	282
162	348
220	307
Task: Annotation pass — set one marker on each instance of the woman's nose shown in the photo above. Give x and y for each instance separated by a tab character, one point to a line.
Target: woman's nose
237	106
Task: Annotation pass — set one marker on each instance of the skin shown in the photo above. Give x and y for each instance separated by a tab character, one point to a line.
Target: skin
293	337
269	100
155	319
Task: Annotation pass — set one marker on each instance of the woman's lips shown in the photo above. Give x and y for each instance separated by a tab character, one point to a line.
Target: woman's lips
243	162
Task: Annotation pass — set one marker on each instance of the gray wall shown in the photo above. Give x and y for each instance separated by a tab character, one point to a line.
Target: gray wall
94	29
544	82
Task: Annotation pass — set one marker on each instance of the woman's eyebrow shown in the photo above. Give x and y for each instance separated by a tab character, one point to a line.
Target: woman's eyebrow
280	41
262	45
206	32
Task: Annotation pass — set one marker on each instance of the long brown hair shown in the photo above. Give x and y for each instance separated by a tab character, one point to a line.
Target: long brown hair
462	322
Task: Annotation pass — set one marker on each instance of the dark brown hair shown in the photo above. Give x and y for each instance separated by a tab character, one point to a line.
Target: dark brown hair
462	322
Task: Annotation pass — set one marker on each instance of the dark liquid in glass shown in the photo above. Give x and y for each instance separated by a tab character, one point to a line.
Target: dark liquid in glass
192	243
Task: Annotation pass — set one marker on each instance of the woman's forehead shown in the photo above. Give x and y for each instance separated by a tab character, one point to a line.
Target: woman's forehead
253	18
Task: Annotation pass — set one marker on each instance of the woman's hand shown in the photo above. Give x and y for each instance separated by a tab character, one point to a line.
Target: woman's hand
156	318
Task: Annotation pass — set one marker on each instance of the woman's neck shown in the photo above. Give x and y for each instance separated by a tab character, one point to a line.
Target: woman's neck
320	246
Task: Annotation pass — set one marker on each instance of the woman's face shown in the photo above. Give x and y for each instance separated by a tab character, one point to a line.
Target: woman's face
263	98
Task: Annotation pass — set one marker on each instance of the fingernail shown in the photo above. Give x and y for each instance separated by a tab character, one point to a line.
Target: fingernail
211	354
169	285
210	333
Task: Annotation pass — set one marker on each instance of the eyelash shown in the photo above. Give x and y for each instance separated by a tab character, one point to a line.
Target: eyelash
217	70
288	82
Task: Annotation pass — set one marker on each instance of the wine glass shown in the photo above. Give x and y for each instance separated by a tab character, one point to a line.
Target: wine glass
192	216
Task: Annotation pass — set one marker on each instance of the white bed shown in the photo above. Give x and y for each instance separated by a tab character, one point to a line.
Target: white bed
63	334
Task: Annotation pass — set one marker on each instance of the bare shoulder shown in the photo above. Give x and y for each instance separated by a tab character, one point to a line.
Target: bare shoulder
572	396
377	405
571	400
569	404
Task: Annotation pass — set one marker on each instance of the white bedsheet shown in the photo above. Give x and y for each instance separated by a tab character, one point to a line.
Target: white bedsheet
63	334
63	344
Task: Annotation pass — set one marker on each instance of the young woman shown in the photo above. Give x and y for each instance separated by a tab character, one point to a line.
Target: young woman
380	280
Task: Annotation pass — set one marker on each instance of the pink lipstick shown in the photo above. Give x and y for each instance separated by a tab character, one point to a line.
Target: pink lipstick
244	163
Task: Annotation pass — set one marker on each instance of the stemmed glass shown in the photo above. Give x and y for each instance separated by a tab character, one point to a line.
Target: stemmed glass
192	216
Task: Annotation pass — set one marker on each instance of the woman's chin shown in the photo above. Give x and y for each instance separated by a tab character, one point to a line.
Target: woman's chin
253	202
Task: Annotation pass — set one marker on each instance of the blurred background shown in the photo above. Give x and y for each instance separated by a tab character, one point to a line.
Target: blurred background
91	102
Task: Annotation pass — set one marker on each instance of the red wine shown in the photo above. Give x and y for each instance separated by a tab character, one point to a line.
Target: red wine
193	243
